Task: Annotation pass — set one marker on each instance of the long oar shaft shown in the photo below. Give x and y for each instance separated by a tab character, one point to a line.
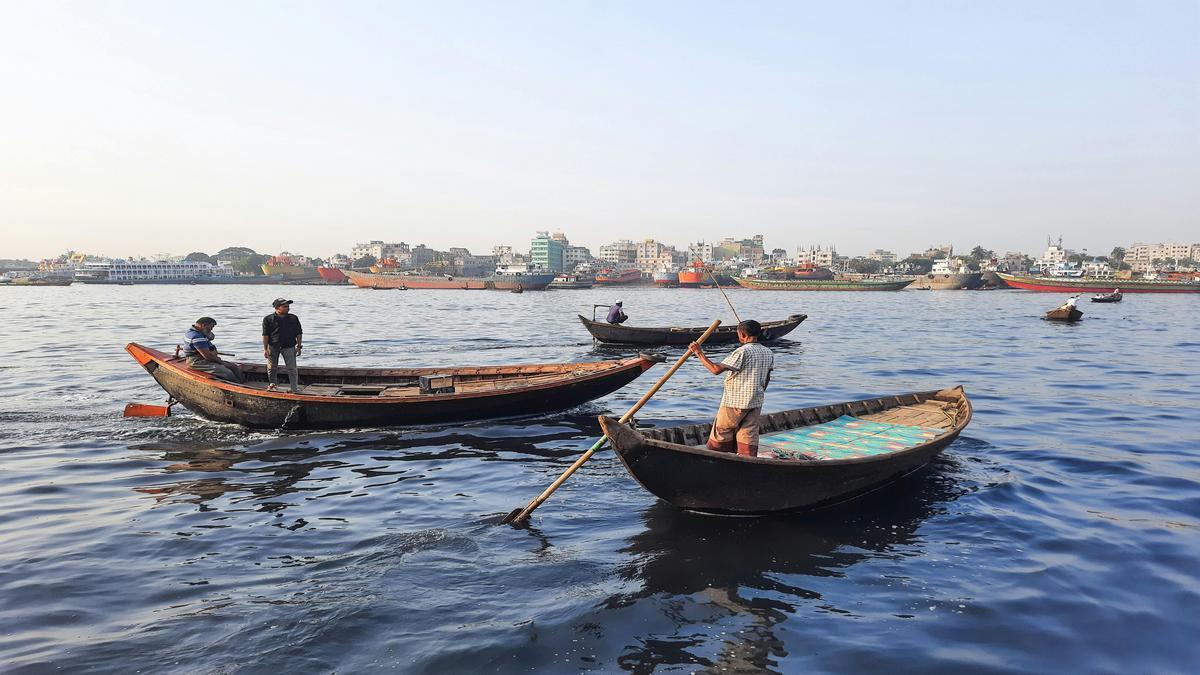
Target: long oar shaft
718	285
517	517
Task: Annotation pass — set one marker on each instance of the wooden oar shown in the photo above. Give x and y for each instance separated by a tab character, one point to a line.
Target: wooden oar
714	278
518	515
146	410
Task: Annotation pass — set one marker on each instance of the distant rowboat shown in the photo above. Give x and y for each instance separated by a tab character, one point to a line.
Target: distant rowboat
639	335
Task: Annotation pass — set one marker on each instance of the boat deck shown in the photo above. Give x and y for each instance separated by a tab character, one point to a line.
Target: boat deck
412	388
849	437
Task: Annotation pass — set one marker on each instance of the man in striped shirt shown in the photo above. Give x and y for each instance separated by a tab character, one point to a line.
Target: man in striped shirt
201	353
747	373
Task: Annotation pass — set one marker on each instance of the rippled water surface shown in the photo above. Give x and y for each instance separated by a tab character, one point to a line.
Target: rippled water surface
1061	532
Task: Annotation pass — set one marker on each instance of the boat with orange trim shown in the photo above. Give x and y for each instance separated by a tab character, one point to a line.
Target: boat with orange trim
1097	285
333	275
353	397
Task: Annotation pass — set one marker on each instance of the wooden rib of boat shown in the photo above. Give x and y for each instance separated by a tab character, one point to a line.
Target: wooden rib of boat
348	397
674	465
637	335
1064	313
1107	297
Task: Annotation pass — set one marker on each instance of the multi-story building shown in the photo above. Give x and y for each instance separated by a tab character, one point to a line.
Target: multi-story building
817	256
885	257
546	252
1141	257
504	256
421	255
574	256
623	252
700	251
378	250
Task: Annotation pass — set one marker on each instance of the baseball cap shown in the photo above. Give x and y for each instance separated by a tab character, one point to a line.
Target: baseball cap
280	301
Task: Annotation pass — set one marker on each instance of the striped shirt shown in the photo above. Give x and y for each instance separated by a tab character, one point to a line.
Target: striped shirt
751	365
196	338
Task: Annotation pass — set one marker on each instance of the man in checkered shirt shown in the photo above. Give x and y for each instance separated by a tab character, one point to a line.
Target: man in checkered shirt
747	374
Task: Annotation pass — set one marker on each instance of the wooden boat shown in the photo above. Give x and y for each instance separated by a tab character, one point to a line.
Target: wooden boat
1107	297
808	458
637	335
1064	313
348	397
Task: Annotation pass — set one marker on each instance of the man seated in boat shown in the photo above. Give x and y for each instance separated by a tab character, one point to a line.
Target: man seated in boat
747	373
201	353
616	314
1070	303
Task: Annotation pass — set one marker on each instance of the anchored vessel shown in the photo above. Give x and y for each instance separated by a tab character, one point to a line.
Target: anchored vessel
637	335
611	277
821	285
347	397
500	282
1096	285
289	268
571	281
943	277
808	458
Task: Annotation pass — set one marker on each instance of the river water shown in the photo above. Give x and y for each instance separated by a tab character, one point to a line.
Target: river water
1060	532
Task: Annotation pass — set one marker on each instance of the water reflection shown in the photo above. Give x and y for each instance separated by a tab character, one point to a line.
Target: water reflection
703	571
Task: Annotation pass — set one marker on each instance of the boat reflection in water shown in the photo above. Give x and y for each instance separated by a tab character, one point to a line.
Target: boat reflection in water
740	574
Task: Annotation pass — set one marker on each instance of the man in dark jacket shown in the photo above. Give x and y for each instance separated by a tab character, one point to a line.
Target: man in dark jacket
282	335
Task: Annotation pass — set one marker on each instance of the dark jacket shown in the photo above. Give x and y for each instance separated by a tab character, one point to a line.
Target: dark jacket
282	331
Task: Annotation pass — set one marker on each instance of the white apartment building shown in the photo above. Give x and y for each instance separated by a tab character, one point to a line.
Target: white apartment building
817	256
1141	257
378	250
574	256
623	252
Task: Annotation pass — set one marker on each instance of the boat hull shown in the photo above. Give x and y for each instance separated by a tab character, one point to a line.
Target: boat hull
1064	314
668	463
622	279
1085	285
529	282
835	285
222	401
948	282
636	335
333	275
290	272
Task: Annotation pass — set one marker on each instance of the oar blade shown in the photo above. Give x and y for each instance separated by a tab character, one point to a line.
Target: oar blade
146	410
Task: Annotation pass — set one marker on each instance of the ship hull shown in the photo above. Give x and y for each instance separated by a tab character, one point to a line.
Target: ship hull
623	279
529	282
948	282
332	274
1073	285
694	279
291	272
835	285
666	279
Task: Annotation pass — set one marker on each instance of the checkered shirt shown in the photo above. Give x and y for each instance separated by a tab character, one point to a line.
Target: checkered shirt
744	385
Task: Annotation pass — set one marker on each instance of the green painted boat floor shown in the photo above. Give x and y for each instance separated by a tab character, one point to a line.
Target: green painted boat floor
844	438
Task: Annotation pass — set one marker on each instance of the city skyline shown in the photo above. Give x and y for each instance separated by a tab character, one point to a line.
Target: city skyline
149	128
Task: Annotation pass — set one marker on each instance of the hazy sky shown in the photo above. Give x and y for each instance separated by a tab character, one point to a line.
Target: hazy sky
145	127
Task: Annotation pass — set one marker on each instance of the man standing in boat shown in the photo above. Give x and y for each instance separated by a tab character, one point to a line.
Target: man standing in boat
282	336
747	374
201	353
616	314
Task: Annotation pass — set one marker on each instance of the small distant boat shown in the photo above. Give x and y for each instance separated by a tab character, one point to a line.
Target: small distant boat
39	281
808	458
1065	313
637	335
571	281
1107	297
518	289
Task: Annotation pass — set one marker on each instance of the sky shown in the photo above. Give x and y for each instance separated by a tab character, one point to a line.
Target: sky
138	128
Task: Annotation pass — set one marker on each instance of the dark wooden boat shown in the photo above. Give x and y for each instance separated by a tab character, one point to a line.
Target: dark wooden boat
1067	314
637	335
673	464
348	397
1107	297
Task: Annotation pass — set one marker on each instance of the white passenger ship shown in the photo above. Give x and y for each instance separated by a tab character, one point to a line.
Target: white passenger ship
154	272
